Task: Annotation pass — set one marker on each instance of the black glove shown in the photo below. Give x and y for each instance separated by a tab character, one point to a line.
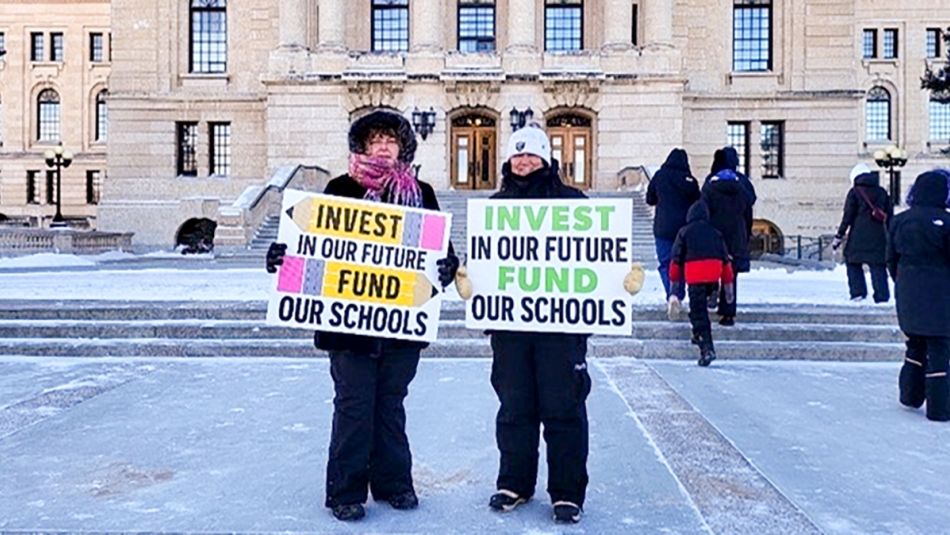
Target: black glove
448	266
275	256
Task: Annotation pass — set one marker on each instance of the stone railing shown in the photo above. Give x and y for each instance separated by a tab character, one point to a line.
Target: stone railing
238	222
31	240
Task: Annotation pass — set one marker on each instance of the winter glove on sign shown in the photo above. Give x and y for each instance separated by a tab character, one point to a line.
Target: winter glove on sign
462	283
448	266
633	282
729	292
835	243
275	256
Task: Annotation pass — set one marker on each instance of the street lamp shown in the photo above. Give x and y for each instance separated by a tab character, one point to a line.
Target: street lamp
520	118
58	158
423	122
892	158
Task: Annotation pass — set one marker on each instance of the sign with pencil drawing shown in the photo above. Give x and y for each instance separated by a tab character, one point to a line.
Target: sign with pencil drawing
359	267
550	265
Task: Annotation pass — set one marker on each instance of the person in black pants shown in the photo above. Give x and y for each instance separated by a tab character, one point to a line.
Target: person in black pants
541	378
918	258
371	376
867	209
701	260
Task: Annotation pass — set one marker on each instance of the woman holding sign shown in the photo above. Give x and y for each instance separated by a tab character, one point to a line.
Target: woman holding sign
540	378
371	375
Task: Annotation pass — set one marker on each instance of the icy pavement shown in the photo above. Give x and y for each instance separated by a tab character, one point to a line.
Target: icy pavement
226	445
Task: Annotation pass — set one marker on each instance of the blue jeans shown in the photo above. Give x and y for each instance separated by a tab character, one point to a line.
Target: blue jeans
664	251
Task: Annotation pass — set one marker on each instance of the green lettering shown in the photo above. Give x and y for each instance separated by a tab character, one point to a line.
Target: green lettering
559	277
582	220
605	213
535	219
505	277
585	281
489	217
509	216
559	219
532	284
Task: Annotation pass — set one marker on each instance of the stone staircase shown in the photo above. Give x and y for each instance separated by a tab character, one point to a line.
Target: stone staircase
237	330
265	234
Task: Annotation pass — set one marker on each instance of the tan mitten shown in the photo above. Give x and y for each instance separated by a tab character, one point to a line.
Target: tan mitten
463	284
633	282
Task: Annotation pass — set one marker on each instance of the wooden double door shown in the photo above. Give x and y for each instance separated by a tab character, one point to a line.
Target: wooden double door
474	153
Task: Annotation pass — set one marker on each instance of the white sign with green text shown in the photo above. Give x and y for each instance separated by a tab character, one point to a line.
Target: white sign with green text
549	265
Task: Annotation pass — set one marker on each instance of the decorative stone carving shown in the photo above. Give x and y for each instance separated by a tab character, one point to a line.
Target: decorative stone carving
572	94
361	94
473	94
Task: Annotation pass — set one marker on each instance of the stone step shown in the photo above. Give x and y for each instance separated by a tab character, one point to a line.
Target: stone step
473	348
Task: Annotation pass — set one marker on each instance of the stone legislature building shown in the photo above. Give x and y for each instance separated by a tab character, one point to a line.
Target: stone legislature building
213	105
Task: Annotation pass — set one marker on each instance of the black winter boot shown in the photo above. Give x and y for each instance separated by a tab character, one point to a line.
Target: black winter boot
505	501
349	513
938	397
911	384
567	513
405	501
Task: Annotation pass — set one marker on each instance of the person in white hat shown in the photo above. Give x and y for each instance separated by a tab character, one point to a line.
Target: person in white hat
867	209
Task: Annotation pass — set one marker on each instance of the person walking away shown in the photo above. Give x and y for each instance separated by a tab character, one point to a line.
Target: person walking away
672	191
371	375
918	259
729	198
701	261
867	209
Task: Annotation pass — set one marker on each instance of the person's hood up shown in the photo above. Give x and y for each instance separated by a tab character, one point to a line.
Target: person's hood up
725	158
698	212
868	179
677	161
931	189
384	120
858	170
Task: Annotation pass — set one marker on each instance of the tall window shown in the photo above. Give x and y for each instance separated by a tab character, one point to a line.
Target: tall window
36	46
563	25
390	26
96	49
102	116
220	163
737	137
32	195
56	51
3	42
773	149
51	186
890	43
869	44
877	115
934	36
940	121
476	25
635	25
752	35
47	116
93	185
187	149
209	36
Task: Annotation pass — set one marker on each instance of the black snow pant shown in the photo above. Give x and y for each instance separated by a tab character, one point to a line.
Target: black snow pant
368	443
699	314
924	375
542	378
725	308
858	286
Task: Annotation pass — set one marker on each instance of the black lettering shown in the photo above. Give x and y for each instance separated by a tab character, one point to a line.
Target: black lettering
619	308
344	275
392	287
396	219
285	309
347	322
380	225
481	247
316	310
421	327
307	245
336	314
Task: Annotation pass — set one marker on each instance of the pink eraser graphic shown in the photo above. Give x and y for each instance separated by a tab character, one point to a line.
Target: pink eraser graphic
433	230
290	277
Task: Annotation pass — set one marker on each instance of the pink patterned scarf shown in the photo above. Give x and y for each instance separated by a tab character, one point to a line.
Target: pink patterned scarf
386	180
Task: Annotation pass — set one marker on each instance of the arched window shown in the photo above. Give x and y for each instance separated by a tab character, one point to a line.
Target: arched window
102	116
209	36
877	114
47	116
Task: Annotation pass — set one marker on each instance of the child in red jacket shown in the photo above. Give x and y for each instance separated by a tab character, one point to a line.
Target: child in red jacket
700	254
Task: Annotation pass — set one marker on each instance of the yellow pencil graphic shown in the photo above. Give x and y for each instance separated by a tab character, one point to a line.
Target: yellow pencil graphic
354	282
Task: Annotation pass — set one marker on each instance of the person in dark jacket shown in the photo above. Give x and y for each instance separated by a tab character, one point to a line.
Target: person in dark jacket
672	191
729	197
701	260
540	378
371	376
867	208
918	259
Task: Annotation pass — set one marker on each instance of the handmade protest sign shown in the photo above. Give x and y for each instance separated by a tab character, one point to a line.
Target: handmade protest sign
359	267
549	265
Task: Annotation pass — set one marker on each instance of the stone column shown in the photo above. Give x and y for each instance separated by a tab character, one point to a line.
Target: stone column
332	25
618	21
658	22
293	24
522	16
426	26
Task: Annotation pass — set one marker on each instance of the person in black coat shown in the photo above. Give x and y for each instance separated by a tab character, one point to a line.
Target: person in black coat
672	191
918	259
371	375
729	197
866	211
701	260
728	158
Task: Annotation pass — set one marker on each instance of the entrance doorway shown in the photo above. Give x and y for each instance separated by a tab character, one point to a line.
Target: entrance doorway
571	145
474	152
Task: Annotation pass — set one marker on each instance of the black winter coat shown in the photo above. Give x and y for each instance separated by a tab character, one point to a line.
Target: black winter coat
345	186
728	202
728	158
699	251
867	237
673	190
918	258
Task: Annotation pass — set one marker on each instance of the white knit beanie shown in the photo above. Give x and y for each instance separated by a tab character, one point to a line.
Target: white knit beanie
529	140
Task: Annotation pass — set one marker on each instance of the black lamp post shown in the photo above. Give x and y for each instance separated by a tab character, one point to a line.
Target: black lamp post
891	159
520	118
423	122
58	158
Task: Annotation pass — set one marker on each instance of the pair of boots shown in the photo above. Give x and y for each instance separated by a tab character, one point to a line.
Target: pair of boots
917	386
355	511
564	512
